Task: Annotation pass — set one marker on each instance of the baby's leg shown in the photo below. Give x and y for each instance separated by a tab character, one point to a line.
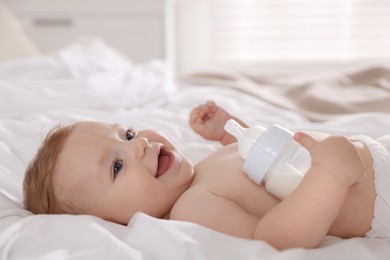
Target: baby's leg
366	210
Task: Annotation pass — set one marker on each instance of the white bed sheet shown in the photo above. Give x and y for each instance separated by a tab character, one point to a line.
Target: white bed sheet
93	82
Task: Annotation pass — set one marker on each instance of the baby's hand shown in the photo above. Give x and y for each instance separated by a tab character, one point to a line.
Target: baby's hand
334	155
208	120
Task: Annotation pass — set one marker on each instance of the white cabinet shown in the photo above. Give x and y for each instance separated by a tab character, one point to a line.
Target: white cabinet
135	27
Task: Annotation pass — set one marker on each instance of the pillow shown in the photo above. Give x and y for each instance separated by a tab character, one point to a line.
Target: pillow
14	42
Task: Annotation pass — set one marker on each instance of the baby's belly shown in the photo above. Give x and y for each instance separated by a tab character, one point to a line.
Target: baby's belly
221	174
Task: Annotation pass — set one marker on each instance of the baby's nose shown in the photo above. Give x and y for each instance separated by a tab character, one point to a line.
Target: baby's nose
141	144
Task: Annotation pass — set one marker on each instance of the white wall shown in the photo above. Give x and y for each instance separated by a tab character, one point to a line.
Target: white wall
135	27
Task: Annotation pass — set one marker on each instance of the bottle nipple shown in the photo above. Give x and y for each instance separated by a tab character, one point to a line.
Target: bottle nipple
234	128
246	137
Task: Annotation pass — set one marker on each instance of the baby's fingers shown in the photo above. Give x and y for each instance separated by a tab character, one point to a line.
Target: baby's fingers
194	115
305	140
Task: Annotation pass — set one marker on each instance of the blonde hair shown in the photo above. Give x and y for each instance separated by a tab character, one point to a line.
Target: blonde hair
39	197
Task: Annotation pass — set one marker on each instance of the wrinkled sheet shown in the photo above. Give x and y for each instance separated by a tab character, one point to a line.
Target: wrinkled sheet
93	82
320	95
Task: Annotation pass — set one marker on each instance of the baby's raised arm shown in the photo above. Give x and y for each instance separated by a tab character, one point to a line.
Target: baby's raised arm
304	218
208	120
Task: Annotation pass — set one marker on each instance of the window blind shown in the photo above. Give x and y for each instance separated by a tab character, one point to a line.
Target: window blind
290	31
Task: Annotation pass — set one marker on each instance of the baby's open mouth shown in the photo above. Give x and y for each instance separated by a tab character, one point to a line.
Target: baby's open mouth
164	162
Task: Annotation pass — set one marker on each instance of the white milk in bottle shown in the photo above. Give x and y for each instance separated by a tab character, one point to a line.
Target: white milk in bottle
272	156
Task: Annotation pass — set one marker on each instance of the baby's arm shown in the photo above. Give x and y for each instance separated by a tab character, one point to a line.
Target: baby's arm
304	218
208	121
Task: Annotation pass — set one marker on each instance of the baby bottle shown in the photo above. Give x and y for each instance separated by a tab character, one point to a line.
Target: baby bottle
272	156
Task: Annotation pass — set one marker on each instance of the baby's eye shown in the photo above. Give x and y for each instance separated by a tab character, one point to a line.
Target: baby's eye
129	134
118	164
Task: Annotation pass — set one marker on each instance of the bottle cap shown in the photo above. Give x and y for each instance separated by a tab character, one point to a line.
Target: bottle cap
265	152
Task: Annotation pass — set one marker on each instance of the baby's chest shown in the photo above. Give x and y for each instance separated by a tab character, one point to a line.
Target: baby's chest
221	174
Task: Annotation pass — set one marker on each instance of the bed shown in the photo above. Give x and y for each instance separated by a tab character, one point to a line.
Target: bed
37	93
92	81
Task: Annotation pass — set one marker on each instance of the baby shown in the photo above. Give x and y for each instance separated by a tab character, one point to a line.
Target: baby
112	172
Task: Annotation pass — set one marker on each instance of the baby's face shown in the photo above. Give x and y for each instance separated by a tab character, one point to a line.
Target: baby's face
112	172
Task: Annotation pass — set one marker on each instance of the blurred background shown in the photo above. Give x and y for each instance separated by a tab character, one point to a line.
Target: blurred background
271	35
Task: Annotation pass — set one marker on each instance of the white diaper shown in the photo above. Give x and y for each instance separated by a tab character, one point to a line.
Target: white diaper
380	152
